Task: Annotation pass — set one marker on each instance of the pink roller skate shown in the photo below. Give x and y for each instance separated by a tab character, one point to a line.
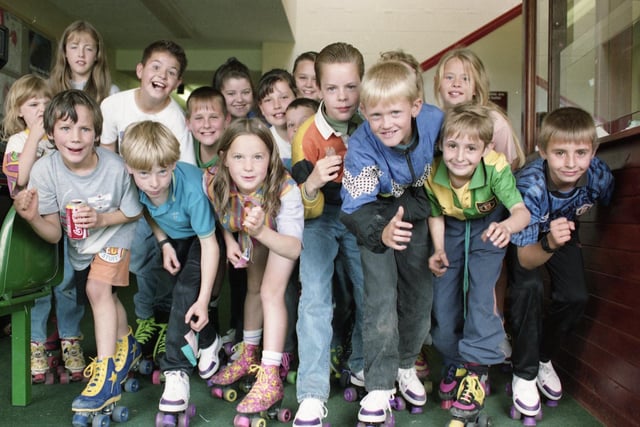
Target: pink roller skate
223	383
264	400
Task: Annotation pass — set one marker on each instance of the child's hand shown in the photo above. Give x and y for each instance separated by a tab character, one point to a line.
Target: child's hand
438	263
85	216
234	253
326	169
197	316
498	233
560	232
26	204
170	259
254	221
397	233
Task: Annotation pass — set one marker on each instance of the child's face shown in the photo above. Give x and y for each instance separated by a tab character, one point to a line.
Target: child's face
248	162
392	121
75	141
159	76
567	161
274	105
456	85
340	87
207	121
461	154
238	96
296	117
154	183
32	111
305	77
81	51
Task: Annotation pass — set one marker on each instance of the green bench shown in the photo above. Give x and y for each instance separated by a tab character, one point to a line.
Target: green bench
29	268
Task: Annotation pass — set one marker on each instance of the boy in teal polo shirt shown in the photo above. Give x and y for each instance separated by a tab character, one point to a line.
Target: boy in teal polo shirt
469	187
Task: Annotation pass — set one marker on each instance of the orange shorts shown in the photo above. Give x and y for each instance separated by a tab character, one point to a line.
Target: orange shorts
111	266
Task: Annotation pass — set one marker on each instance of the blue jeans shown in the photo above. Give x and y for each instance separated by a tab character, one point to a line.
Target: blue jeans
154	282
68	312
323	238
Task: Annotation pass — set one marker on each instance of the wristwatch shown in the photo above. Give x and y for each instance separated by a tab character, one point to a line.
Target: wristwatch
544	242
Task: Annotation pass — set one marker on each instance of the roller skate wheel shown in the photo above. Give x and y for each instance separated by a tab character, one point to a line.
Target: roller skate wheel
101	420
80	420
230	395
145	367
484	420
228	348
64	378
446	404
191	410
183	420
159	417
455	423
292	376
258	422
241	421
514	414
552	403
167	420
131	385
216	392
60	369
416	410
120	414
49	378
398	404
284	415
78	376
350	394
156	376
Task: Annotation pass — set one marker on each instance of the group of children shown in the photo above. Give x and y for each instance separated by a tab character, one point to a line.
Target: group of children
326	175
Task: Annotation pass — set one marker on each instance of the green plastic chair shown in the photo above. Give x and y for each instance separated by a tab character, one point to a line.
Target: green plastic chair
29	268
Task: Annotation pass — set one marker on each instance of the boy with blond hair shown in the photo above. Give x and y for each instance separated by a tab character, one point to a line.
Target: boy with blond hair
386	208
207	118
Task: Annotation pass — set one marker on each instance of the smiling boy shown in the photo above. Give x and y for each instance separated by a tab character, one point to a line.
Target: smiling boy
557	188
207	118
386	207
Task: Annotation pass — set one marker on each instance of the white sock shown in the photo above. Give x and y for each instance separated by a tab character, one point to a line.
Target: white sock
271	358
252	337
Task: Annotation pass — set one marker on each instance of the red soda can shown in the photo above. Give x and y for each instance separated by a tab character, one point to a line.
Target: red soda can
74	232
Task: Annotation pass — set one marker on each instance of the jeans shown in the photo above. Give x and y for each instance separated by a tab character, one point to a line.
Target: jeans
323	238
185	292
68	312
475	336
154	282
397	308
536	335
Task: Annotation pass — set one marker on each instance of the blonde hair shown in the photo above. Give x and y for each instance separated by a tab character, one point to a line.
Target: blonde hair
476	71
388	81
23	89
568	124
468	119
147	144
220	186
410	61
99	83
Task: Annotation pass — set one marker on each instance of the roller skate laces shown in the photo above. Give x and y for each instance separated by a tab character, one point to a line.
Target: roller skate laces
161	345
310	413
266	391
470	398
39	364
128	353
147	334
209	359
411	387
103	387
525	396
175	397
449	384
548	381
375	406
237	368
72	354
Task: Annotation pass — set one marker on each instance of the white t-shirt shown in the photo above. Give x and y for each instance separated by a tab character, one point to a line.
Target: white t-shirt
120	110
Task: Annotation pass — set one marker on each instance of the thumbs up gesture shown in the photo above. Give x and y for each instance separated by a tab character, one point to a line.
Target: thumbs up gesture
397	233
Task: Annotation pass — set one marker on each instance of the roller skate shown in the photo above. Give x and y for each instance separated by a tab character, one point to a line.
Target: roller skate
98	400
526	401
234	376
264	399
228	342
174	407
549	383
469	402
336	362
354	390
310	414
287	368
160	348
375	409
209	359
449	385
129	358
411	389
422	367
73	359
40	372
147	335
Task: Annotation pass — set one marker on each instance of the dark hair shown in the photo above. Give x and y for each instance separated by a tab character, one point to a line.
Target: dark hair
305	56
270	78
166	46
63	106
309	103
205	94
232	68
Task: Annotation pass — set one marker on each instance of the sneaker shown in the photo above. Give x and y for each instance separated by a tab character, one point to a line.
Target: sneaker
470	398
175	397
357	378
525	396
411	387
548	381
38	358
209	359
72	355
375	406
310	413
